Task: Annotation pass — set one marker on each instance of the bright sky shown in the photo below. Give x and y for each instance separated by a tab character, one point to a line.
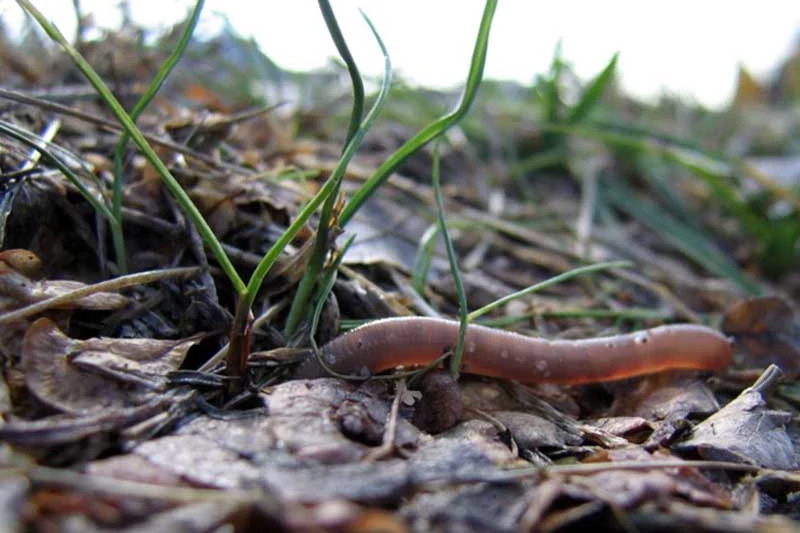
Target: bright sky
683	47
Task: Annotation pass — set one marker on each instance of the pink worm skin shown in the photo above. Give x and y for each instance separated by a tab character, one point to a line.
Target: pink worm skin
391	342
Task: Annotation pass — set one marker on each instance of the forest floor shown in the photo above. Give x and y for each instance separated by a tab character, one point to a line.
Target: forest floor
120	411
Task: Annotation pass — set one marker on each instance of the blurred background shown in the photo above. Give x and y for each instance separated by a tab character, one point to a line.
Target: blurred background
690	50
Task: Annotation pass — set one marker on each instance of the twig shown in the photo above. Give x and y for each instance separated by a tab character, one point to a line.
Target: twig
121	282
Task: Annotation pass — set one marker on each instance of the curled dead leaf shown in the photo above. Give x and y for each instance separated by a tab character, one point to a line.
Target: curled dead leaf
87	376
18	287
100	301
747	430
23	261
139	361
55	381
768	330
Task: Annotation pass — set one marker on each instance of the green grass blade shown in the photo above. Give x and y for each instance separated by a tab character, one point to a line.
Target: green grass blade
593	92
355	77
152	89
633	314
331	184
680	235
458	352
547	283
422	262
550	91
43	147
326	287
547	91
169	180
320	251
716	174
435	128
659	177
716	171
322	242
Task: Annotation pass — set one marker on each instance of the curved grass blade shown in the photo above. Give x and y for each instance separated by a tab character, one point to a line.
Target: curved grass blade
119	151
321	244
355	77
593	92
422	262
331	184
166	176
435	128
635	314
326	287
44	148
547	283
458	352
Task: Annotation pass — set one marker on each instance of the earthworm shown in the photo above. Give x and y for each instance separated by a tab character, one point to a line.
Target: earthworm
408	341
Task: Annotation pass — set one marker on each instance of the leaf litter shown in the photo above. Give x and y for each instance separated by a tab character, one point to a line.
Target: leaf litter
108	423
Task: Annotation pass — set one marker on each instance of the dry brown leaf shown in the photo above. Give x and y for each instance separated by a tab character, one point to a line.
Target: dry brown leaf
89	376
144	361
18	288
768	329
746	431
56	382
665	401
23	261
748	90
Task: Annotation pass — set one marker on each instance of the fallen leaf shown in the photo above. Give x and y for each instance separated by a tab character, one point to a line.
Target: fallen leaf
746	431
471	450
18	288
665	401
140	361
64	429
23	261
533	431
768	330
56	382
90	376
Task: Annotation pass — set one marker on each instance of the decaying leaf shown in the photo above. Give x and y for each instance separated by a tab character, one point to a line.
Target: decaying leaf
303	420
23	261
85	376
145	362
666	396
202	461
625	426
55	381
69	429
18	288
532	431
484	507
364	414
629	488
469	451
665	401
768	330
748	431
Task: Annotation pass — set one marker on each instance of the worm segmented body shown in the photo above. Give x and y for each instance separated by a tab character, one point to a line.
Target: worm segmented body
391	342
